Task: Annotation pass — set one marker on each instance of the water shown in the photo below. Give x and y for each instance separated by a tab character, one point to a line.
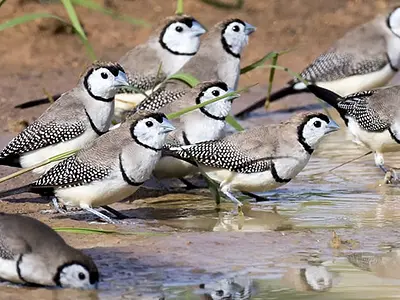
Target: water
294	246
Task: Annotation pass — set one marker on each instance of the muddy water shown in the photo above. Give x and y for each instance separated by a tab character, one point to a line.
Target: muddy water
297	245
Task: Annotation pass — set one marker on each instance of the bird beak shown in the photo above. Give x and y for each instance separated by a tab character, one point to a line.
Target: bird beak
249	29
121	79
232	97
332	126
166	126
198	29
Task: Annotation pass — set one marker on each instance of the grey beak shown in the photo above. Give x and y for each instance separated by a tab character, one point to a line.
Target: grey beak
249	29
232	97
198	29
166	126
121	79
332	126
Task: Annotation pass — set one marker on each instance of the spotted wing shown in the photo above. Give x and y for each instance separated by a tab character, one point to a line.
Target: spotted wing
12	245
332	66
143	83
160	98
71	172
39	135
358	106
223	154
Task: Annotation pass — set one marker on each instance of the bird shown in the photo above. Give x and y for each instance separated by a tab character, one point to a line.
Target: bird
171	44
372	117
239	287
260	158
206	123
109	169
218	58
32	253
366	57
79	116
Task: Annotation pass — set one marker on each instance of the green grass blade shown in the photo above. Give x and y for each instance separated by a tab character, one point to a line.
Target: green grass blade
78	27
271	80
89	4
179	7
47	161
259	63
219	4
102	231
27	18
191	108
235	124
190	80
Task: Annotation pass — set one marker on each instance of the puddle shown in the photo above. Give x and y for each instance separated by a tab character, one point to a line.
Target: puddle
270	252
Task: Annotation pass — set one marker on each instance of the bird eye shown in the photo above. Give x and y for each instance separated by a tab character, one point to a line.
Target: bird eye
236	28
149	123
219	293
104	75
215	93
179	29
317	124
81	276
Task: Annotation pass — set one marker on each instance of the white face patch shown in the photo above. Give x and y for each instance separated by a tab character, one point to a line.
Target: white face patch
236	37
179	38
394	21
76	276
151	132
220	108
101	83
314	130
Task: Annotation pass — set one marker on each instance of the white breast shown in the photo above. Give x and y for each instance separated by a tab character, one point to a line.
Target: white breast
34	157
229	71
358	83
376	141
8	270
169	167
97	193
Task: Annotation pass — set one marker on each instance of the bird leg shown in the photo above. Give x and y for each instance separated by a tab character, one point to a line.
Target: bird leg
227	193
97	213
255	196
116	213
390	174
58	208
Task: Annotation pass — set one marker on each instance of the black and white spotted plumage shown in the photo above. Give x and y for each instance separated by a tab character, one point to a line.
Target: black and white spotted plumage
143	83
160	98
332	66
39	135
72	172
225	155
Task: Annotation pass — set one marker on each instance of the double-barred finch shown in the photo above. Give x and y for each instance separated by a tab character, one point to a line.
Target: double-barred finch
372	117
261	158
172	43
78	117
382	265
33	253
109	169
366	57
217	59
310	278
240	287
204	124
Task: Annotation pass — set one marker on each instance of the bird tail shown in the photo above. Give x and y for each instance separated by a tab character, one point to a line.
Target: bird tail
286	91
10	160
324	94
179	155
36	102
16	191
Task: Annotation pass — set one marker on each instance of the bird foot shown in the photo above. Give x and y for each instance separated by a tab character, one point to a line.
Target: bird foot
391	177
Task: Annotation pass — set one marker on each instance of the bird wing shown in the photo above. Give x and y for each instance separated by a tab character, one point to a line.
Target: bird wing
142	65
42	134
224	154
12	245
71	172
333	65
160	98
360	107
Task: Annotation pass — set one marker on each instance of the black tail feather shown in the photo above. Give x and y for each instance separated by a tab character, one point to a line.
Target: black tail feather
325	95
286	91
16	191
11	161
36	102
168	152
